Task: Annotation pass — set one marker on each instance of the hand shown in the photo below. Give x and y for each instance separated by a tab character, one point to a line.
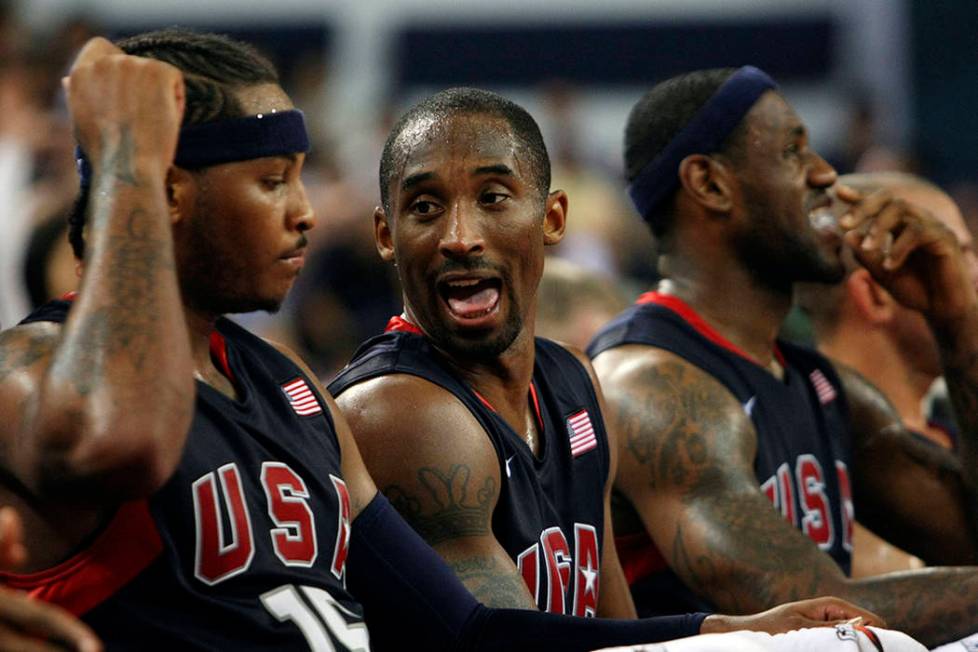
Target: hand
126	110
909	252
32	625
817	612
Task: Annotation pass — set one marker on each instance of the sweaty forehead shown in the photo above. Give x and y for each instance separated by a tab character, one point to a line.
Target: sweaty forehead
263	98
431	144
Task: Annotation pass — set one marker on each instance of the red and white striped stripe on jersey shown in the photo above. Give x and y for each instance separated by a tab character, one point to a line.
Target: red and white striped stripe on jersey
581	432
301	398
826	392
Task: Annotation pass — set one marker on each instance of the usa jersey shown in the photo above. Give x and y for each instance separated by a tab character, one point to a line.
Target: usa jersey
803	447
550	513
244	547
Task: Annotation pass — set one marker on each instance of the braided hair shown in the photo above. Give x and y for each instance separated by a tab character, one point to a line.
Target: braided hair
214	68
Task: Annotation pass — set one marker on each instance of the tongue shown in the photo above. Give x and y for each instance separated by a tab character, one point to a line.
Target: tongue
473	304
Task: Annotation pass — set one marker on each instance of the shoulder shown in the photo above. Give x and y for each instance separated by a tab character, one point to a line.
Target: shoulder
661	399
25	351
403	420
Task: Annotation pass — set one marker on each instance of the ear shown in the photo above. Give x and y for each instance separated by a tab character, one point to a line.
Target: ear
555	219
383	235
707	181
874	304
181	193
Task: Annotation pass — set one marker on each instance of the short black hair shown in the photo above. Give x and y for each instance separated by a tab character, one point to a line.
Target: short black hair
659	115
214	66
468	101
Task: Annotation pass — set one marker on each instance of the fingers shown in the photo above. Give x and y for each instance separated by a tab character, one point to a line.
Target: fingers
848	194
12	550
833	610
27	624
93	50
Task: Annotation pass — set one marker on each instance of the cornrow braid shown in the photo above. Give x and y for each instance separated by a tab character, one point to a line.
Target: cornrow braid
215	68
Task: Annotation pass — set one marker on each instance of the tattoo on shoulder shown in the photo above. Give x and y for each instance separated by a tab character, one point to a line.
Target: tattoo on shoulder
451	506
22	348
664	421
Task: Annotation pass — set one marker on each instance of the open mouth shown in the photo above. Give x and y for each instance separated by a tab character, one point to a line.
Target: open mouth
823	219
470	298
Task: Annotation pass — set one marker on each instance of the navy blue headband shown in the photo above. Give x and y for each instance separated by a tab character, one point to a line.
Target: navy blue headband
226	141
704	133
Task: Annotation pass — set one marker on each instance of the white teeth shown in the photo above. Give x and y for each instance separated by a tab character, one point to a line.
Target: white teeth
463	283
823	219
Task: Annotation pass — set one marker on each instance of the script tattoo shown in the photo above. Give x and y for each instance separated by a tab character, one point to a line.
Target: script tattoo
491	584
451	509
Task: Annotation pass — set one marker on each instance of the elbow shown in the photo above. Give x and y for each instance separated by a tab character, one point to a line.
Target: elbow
113	458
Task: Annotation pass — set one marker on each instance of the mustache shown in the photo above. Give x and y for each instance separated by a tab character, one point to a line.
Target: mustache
469	265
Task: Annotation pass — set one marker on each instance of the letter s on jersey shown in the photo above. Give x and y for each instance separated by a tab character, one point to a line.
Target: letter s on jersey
562	590
292	527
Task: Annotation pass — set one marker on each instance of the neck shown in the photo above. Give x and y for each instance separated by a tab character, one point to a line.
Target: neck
747	314
200	327
504	380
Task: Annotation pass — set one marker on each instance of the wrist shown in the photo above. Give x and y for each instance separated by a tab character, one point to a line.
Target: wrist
718	624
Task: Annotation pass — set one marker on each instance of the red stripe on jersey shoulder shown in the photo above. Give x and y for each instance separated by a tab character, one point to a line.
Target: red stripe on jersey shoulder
401	325
693	318
128	545
219	354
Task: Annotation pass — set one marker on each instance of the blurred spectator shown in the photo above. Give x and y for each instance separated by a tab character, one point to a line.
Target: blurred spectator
573	302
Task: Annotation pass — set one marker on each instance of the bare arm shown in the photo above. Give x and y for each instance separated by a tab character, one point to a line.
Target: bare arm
899	479
109	400
433	461
686	464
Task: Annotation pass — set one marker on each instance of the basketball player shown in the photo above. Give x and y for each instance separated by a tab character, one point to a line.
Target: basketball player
720	420
185	485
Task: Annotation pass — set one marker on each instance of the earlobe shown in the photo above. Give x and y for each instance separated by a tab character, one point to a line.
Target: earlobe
873	302
706	181
180	190
383	237
555	219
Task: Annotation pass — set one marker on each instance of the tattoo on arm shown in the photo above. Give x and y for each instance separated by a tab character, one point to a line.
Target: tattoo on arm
491	584
118	160
21	349
684	436
453	508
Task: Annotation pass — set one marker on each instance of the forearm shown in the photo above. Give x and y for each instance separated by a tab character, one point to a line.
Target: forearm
119	391
492	582
934	605
959	351
405	586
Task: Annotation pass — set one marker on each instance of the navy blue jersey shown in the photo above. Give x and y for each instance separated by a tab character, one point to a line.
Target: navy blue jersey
550	513
803	445
244	547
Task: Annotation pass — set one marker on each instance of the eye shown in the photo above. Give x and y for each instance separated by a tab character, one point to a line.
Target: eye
424	207
491	198
273	182
792	150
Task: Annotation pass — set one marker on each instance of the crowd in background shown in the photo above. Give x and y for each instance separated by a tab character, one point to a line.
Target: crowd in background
345	293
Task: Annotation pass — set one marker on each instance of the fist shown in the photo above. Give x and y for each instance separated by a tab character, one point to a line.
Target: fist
126	110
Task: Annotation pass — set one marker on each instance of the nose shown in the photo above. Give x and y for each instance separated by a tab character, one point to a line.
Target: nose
462	235
820	173
300	215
